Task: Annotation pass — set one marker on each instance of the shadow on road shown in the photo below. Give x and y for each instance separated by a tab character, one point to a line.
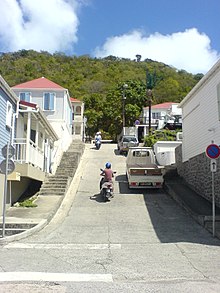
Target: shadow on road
170	222
117	153
98	197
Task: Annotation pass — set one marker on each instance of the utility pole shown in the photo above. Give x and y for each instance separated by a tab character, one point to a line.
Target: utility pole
150	82
125	86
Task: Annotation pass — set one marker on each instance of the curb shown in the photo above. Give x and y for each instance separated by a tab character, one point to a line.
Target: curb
24	234
63	207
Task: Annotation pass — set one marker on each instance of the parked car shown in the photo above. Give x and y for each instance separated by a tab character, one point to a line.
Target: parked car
126	141
142	169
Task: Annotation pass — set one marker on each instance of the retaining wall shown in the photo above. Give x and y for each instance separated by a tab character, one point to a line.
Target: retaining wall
198	175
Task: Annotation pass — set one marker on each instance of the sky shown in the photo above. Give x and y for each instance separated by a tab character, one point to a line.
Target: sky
180	33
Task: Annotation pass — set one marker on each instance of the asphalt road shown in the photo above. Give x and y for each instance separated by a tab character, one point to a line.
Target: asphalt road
140	241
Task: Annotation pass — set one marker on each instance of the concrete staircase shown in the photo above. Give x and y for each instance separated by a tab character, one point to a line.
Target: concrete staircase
58	184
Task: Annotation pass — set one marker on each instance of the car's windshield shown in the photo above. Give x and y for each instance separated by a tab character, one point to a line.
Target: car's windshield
128	139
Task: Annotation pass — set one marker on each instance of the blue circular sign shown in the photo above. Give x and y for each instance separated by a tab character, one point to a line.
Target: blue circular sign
213	151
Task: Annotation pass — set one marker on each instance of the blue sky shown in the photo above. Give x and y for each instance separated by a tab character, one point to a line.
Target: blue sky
180	33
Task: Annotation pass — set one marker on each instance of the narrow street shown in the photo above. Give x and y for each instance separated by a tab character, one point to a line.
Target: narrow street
140	241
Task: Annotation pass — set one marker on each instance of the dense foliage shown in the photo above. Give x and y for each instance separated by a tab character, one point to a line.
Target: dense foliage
160	135
99	83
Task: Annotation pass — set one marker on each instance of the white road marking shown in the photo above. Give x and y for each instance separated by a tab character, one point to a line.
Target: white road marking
52	277
62	246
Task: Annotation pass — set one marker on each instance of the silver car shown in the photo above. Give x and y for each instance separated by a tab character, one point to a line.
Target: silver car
126	141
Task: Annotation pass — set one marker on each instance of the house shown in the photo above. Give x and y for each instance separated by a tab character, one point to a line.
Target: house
162	114
34	145
78	118
201	127
54	102
166	115
8	113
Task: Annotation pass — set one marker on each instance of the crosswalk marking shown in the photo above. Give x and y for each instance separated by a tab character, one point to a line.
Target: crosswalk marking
62	246
52	277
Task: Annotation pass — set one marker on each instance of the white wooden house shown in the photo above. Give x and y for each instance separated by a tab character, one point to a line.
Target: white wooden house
54	102
78	129
201	127
161	113
34	146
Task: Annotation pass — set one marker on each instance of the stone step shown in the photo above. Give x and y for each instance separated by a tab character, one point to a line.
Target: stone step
49	192
54	176
10	232
69	159
22	226
53	186
66	172
52	190
57	180
69	165
66	167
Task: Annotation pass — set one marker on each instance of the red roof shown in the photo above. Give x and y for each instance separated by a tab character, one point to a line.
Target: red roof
166	105
41	82
28	104
74	100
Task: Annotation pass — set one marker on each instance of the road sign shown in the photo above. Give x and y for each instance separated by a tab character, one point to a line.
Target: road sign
11	166
213	165
213	151
11	151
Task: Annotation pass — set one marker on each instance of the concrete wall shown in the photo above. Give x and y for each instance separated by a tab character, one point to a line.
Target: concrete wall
196	172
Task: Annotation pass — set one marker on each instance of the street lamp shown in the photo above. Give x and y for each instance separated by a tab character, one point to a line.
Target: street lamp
125	86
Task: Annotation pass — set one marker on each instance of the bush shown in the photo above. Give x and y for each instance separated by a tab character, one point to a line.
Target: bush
160	135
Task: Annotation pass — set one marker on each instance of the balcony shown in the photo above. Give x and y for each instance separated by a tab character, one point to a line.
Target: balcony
29	153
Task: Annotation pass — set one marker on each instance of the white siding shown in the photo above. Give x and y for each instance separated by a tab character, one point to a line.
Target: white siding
200	115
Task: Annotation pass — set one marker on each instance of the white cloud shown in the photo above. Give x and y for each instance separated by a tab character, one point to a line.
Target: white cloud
49	25
189	50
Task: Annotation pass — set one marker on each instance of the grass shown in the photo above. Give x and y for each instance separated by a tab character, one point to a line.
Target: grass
28	202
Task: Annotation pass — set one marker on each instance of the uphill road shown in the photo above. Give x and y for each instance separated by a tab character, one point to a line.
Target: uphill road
139	241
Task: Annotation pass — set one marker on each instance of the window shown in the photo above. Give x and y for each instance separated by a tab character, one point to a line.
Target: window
141	154
78	110
9	112
25	97
49	101
156	115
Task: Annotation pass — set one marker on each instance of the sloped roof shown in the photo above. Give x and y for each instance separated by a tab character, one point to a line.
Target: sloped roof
38	83
166	105
75	100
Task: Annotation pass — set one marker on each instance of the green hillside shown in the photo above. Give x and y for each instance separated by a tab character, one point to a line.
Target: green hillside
99	82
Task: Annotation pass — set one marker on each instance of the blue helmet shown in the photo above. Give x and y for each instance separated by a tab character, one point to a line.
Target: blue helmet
108	165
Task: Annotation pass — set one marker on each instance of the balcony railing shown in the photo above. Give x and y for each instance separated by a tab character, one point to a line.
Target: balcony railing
30	154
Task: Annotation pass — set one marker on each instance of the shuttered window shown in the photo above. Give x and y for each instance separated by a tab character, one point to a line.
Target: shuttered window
25	97
49	99
9	112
